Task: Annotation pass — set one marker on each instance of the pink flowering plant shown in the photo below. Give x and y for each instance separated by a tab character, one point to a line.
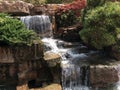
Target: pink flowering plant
68	14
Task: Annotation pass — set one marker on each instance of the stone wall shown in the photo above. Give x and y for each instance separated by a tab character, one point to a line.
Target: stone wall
20	63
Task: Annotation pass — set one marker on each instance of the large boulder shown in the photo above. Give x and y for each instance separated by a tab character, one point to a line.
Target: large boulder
103	75
15	7
48	9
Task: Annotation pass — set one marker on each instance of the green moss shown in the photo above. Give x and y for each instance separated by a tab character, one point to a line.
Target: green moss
13	32
101	25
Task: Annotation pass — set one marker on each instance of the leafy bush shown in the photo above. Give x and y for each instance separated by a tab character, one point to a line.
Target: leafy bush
68	14
95	3
13	32
102	26
35	2
53	1
66	19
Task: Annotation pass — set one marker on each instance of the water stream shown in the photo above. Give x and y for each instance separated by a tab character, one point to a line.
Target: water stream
71	72
39	23
74	76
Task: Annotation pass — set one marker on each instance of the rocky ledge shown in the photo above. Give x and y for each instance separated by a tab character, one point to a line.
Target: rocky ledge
49	87
102	72
19	64
52	58
15	7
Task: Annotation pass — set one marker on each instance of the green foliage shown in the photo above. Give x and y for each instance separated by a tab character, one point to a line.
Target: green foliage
91	4
66	19
35	2
102	26
95	3
13	32
38	2
53	1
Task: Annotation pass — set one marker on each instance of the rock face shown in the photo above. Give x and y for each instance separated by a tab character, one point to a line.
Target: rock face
53	61
70	33
20	53
19	8
15	8
49	87
48	9
20	63
103	75
25	65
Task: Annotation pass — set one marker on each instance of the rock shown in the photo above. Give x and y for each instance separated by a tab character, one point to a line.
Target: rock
22	87
8	73
52	58
103	75
19	64
10	54
50	87
15	7
48	9
70	33
53	61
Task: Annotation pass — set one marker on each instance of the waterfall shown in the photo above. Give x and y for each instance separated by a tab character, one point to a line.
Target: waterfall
75	74
39	23
72	74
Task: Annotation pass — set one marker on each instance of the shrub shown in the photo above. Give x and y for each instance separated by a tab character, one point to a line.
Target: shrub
102	26
68	14
35	2
53	1
13	32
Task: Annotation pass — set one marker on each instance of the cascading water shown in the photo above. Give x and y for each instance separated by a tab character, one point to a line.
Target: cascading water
74	75
39	23
71	72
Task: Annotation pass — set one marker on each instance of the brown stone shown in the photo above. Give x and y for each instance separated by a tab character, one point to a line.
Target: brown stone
27	70
52	58
49	87
19	64
15	7
20	53
8	73
115	52
6	55
22	87
103	75
48	9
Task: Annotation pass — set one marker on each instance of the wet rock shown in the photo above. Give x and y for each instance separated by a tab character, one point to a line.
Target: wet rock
70	33
52	58
22	87
50	87
15	7
103	75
